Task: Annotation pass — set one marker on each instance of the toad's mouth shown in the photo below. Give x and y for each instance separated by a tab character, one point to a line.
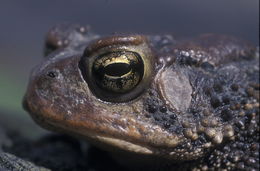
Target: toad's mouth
105	142
108	141
135	138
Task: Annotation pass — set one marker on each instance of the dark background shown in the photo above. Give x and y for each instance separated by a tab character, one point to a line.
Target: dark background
24	23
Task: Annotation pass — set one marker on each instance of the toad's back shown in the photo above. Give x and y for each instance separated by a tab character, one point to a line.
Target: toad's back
192	104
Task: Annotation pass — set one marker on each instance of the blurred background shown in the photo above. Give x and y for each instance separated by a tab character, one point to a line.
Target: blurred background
23	25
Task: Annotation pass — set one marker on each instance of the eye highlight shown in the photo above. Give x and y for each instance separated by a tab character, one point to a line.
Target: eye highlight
118	68
118	72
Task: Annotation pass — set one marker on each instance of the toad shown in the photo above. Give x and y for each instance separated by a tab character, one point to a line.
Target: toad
152	100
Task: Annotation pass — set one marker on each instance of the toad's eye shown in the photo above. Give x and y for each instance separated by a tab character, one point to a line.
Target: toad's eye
117	69
118	72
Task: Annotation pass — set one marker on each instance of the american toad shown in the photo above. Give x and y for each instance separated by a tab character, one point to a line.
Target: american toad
153	101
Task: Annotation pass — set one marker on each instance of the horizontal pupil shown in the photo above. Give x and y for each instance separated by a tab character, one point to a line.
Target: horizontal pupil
117	69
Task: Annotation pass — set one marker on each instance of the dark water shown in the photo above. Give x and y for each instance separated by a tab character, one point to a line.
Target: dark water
23	25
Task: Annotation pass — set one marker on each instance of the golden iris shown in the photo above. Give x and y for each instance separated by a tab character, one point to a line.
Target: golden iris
118	71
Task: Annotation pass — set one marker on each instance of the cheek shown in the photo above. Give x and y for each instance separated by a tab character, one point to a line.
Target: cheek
175	88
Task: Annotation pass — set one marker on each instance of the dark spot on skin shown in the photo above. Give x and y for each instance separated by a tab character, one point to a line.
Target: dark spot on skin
147	115
51	74
195	111
151	93
234	87
226	100
167	125
243	101
152	109
187	60
227	115
163	109
217	87
208	91
215	102
173	116
207	66
201	140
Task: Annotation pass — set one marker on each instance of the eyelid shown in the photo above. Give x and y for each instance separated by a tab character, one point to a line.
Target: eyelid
114	41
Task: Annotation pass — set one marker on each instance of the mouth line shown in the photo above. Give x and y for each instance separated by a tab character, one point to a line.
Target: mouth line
114	142
123	144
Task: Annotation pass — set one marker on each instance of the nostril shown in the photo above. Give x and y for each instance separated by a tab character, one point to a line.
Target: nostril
52	74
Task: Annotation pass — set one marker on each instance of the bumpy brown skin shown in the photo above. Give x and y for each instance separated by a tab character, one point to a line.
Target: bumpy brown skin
200	110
